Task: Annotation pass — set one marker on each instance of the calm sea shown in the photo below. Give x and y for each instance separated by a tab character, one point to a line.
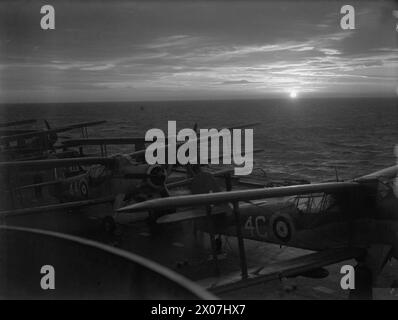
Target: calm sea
304	137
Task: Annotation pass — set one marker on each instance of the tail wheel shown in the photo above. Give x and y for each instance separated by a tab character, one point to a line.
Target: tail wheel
108	224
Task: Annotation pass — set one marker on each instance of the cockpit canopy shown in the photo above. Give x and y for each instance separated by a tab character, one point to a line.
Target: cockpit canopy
314	203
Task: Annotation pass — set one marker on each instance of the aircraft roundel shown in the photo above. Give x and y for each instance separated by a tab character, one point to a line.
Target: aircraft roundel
282	229
83	188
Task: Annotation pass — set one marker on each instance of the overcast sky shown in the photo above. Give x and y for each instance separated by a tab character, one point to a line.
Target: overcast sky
124	50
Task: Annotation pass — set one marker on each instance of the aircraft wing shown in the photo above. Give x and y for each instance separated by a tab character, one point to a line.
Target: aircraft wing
79	125
11	132
240	195
55	207
50	131
55	163
17	123
287	268
390	172
102	141
41	184
190	214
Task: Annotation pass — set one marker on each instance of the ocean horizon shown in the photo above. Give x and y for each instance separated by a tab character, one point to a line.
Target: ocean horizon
311	138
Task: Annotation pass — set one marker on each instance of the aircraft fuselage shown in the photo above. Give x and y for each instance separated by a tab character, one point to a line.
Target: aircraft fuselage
319	222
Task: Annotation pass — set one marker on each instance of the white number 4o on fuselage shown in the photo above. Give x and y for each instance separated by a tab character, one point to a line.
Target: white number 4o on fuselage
254	228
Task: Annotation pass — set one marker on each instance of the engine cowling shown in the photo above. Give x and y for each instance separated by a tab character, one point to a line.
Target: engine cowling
152	175
156	176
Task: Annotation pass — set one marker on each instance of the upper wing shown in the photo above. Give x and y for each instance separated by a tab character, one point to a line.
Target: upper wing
241	195
17	123
102	141
388	173
6	139
55	163
55	207
288	268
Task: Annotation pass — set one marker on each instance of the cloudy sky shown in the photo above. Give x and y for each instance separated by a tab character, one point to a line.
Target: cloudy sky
147	50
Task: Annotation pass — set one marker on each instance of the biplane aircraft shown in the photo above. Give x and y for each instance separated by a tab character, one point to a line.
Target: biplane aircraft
80	182
84	181
356	219
35	144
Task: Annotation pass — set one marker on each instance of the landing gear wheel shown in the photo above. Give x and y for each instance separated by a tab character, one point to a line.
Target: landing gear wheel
109	225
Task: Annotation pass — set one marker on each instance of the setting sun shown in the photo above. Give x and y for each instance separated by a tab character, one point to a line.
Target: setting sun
293	94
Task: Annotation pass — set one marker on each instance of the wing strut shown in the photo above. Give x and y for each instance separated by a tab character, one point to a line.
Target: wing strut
242	254
212	239
239	236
